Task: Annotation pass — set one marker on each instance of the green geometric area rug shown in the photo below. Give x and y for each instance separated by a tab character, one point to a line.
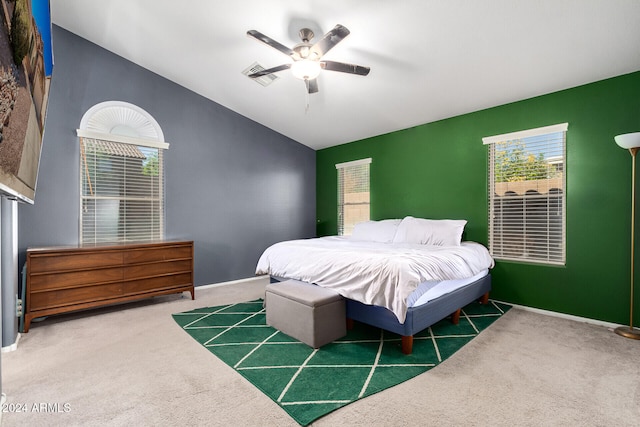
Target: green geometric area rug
309	383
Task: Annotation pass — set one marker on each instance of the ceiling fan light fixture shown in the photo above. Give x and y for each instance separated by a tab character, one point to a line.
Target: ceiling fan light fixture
306	69
306	59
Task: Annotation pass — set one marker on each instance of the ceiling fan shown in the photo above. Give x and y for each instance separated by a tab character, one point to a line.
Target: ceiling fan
307	58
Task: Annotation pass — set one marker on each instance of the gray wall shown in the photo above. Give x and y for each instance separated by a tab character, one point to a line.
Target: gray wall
232	185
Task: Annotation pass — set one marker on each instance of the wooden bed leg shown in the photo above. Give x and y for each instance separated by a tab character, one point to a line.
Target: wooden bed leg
349	324
407	344
485	298
455	317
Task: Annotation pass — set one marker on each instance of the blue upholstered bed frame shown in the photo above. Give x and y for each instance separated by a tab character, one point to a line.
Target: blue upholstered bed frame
421	317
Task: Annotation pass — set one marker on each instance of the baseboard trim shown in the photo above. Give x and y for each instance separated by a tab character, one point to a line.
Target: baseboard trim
233	282
12	347
564	316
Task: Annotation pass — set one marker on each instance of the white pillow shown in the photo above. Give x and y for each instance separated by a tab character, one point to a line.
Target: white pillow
439	232
376	231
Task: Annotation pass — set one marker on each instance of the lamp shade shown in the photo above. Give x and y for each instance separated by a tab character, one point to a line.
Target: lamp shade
628	140
306	69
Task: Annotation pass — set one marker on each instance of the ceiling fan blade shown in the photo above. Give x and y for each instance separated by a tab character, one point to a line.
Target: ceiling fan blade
270	42
329	40
270	71
345	68
312	85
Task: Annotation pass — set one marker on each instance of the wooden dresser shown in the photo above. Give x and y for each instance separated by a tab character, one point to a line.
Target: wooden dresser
60	280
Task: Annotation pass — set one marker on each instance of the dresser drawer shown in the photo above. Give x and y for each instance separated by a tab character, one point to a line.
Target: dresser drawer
158	254
65	297
150	284
73	261
155	269
42	281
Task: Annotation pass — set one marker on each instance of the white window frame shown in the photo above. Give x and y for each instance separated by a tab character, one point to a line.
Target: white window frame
120	124
533	230
346	229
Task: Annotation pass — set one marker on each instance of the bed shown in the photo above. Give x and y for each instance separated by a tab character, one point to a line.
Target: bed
398	275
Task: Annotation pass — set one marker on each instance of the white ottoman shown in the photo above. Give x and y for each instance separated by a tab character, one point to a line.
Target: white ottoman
309	313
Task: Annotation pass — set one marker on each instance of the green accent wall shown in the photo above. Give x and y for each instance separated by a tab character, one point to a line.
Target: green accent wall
439	170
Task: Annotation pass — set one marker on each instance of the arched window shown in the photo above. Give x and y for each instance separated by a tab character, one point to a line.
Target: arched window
121	175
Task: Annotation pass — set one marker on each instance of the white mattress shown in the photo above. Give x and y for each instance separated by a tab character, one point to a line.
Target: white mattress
433	289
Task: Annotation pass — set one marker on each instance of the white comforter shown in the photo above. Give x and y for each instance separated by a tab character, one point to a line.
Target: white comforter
381	274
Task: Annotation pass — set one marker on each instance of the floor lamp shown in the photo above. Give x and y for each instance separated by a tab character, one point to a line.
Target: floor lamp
631	142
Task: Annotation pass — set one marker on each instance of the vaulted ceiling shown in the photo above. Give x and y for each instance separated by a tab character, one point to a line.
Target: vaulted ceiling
429	59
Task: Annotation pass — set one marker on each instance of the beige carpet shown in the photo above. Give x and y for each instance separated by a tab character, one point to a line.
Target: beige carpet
133	365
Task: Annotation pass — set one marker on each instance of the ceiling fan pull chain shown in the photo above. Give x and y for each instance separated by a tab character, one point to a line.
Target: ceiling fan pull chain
306	96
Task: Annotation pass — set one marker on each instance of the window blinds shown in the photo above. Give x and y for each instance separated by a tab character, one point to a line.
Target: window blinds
353	194
122	192
527	201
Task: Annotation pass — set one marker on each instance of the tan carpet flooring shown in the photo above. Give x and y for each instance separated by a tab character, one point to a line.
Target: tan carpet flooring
133	365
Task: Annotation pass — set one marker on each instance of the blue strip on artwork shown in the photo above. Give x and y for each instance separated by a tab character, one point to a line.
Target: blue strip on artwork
42	15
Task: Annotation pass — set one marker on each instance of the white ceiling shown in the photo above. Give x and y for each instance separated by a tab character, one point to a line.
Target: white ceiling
429	59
